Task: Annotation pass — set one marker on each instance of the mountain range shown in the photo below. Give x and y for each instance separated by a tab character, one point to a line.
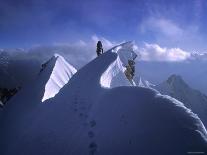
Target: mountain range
95	110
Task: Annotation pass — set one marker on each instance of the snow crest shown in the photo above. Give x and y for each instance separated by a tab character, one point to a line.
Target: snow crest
114	74
61	74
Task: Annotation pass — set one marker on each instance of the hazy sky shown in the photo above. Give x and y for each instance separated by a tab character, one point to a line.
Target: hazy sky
169	23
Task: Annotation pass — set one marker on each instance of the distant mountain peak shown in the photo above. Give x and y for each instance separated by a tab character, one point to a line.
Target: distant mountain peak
173	79
173	85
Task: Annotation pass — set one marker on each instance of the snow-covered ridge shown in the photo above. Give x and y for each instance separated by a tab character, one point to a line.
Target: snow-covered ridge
115	72
61	74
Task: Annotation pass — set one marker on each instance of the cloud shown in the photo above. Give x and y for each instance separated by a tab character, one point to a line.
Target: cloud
163	26
84	51
173	33
81	52
77	53
153	52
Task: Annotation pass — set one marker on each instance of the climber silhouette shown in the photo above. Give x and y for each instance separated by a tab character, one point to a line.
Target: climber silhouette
99	48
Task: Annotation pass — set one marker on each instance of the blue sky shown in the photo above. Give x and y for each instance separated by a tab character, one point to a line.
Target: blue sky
175	23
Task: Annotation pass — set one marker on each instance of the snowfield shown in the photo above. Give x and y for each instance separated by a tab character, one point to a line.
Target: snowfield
98	112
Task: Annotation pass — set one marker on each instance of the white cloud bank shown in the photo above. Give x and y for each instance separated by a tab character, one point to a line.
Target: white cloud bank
83	51
173	33
153	52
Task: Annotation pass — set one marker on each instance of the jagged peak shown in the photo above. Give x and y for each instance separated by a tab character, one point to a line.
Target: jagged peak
61	74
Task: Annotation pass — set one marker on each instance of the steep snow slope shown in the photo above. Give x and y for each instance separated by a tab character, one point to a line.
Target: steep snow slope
61	74
87	118
114	75
176	87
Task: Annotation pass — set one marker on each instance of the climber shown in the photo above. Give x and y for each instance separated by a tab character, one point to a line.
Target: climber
99	49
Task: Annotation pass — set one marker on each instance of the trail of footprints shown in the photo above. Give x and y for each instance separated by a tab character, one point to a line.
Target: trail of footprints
92	146
80	104
81	109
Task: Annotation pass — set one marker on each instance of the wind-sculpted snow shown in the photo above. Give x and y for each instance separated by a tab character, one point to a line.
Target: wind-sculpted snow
115	68
114	75
87	118
61	74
